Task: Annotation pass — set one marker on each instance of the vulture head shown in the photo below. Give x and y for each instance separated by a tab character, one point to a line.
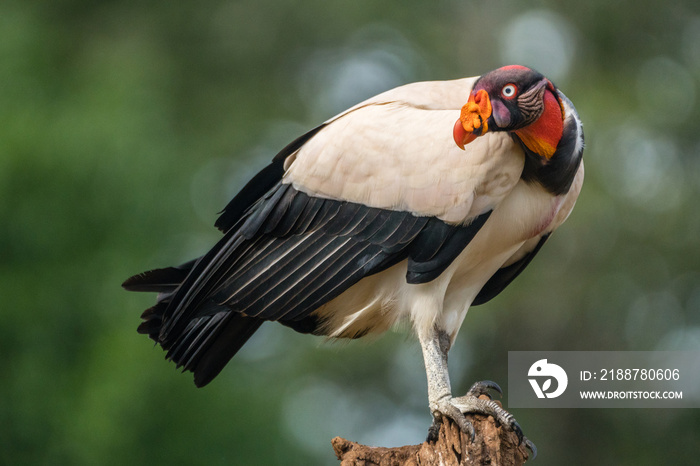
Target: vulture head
514	99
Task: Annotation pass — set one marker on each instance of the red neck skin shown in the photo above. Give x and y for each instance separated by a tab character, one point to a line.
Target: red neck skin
542	136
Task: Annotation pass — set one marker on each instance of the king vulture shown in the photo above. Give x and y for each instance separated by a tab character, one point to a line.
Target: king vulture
412	205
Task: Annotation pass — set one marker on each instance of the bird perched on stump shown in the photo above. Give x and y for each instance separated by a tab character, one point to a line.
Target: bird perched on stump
412	205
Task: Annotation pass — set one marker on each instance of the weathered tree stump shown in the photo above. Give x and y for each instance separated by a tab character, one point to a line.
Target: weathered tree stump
493	445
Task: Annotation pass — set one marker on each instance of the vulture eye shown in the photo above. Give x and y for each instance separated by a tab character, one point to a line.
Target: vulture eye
509	91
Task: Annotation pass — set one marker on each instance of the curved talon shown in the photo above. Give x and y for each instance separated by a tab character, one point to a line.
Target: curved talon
471	432
513	424
516	428
531	446
434	430
482	388
454	408
447	408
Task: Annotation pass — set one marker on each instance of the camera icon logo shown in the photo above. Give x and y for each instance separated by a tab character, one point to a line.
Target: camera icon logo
541	369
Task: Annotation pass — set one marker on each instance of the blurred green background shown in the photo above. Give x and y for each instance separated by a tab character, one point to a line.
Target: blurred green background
126	126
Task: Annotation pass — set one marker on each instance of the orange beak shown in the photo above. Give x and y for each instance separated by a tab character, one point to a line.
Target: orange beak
472	121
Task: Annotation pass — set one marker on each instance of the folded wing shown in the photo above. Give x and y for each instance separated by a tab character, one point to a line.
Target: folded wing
345	201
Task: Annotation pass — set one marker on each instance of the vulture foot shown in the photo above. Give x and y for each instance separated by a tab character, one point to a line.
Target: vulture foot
454	408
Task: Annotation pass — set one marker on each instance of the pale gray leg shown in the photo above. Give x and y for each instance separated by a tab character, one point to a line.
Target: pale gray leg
435	348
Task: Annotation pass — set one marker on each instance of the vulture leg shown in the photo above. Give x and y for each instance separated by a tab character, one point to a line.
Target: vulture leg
435	348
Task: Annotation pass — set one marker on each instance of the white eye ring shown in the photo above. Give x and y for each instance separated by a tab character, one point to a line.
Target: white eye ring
509	91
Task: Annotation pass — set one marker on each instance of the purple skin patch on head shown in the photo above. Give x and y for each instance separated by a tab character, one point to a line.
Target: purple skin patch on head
500	114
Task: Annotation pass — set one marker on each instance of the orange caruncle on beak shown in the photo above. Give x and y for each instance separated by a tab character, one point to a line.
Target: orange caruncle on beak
473	119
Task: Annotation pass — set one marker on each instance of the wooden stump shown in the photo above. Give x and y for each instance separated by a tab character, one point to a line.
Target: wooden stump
492	445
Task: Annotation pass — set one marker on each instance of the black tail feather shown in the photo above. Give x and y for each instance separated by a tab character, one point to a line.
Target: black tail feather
208	343
205	342
161	280
152	321
235	332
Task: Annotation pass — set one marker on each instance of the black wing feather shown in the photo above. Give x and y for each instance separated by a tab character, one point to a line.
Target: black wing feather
282	258
291	215
312	209
260	183
159	280
452	241
504	276
234	331
299	270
